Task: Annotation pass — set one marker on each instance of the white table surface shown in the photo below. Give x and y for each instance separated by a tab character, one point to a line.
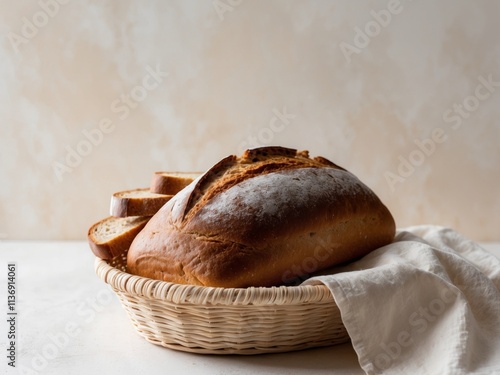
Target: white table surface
69	322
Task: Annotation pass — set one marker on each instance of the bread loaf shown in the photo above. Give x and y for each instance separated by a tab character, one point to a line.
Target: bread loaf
260	220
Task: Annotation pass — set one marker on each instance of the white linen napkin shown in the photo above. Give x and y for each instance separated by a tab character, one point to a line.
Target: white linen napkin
428	303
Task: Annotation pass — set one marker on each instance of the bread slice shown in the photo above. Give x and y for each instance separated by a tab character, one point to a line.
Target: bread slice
138	202
112	236
171	182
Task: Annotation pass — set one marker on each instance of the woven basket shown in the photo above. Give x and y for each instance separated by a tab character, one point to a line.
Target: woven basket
225	320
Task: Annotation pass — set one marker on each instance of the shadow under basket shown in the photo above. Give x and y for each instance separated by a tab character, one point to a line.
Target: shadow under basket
211	320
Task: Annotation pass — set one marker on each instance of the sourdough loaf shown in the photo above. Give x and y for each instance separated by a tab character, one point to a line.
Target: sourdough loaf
260	220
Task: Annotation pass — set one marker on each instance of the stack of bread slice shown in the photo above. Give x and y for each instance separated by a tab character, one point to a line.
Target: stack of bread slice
130	210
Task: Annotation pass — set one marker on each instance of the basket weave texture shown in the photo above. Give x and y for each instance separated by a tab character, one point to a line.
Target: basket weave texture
225	320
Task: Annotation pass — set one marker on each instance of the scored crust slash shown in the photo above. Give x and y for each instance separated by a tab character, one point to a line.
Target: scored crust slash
257	219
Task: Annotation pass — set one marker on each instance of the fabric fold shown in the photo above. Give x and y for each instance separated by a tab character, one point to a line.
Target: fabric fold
428	303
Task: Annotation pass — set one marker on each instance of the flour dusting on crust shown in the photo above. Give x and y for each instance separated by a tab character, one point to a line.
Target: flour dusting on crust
263	198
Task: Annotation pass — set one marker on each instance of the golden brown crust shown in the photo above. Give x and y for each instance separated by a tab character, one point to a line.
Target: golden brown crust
262	219
231	171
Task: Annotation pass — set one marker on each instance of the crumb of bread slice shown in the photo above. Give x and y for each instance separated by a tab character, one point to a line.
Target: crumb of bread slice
112	236
171	182
137	202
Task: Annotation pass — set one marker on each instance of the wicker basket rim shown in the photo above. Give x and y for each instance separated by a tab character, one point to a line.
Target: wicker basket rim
202	295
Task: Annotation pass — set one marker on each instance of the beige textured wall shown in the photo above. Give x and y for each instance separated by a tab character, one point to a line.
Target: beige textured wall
405	94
